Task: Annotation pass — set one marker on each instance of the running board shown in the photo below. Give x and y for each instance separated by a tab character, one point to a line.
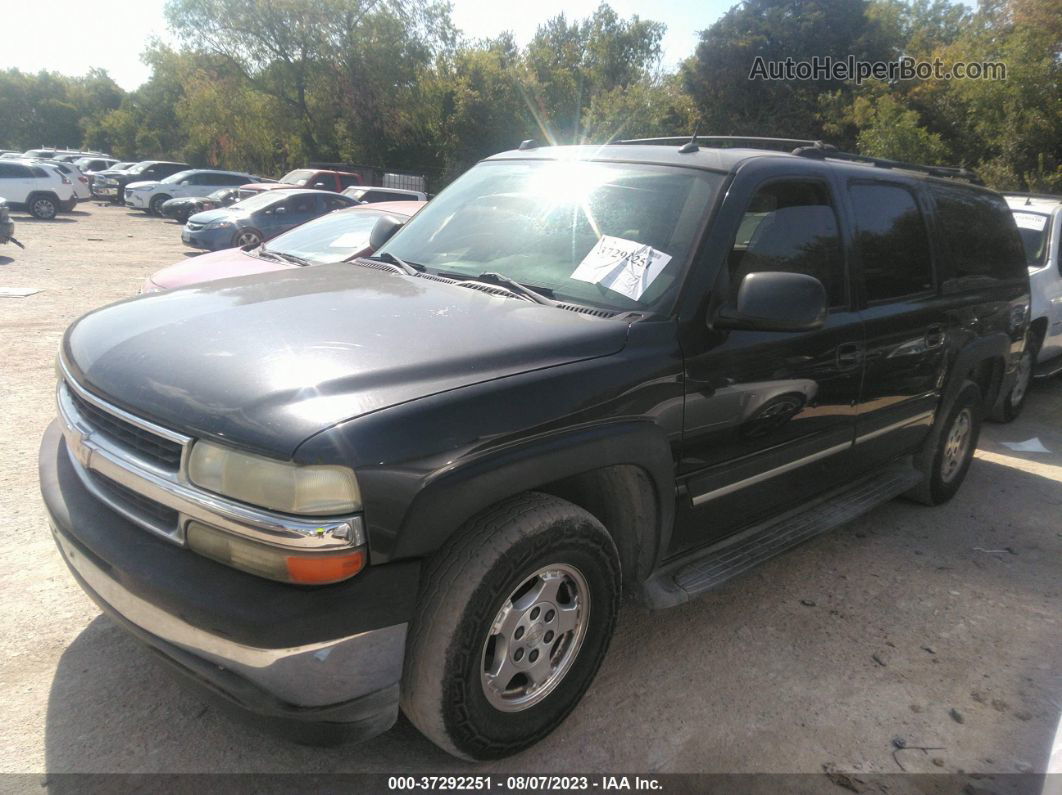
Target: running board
735	555
1049	369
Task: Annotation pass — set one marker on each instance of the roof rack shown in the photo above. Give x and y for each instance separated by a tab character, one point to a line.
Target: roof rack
803	148
822	151
724	142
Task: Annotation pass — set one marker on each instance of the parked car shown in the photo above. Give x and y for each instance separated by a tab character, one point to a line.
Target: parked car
1039	220
111	183
251	221
150	195
90	164
370	195
82	187
35	187
182	209
7	226
99	180
339	236
313	178
463	436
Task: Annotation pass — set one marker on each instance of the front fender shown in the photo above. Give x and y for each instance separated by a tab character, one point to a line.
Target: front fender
459	491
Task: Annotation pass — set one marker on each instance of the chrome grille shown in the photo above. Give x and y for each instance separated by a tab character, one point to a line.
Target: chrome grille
193	227
164	516
162	452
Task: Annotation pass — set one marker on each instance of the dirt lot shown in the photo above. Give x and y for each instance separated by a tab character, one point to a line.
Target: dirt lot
940	627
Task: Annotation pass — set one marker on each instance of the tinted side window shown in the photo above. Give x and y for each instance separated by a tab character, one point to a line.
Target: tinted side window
13	171
980	234
790	226
39	172
349	180
333	202
892	241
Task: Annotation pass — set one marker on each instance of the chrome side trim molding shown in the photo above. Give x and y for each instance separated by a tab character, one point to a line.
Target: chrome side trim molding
925	417
730	488
317	674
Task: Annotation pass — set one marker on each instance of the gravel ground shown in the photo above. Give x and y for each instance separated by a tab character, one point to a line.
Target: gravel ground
937	626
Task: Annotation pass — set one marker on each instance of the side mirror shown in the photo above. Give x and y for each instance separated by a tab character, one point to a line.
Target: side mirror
322	186
776	301
281	210
383	230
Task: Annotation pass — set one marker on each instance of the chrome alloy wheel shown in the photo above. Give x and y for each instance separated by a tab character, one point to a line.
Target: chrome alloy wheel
956	445
1022	379
43	209
535	638
247	238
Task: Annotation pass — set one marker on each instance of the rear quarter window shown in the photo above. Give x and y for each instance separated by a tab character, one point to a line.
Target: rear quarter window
980	236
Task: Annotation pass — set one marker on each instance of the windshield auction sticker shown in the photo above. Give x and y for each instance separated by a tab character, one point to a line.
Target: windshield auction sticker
623	266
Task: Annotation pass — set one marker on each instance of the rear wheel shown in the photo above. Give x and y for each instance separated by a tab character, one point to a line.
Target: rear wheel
1010	406
946	455
513	622
43	208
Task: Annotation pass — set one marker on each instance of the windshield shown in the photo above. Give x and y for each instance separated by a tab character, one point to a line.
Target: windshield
297	177
174	178
330	238
259	200
615	235
140	167
1034	229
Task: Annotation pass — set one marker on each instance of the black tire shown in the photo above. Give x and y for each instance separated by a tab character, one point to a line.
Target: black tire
42	206
155	205
247	239
943	471
444	688
1009	406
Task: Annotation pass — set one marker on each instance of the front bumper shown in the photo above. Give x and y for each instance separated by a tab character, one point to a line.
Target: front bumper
138	200
315	664
210	239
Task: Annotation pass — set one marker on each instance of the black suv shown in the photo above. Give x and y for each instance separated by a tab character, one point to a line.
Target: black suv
426	478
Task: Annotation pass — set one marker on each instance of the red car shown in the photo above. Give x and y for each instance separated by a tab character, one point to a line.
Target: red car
339	236
337	181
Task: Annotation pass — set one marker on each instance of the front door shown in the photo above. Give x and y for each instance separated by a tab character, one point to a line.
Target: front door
769	416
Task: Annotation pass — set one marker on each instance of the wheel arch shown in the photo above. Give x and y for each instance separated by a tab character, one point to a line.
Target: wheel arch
621	473
983	361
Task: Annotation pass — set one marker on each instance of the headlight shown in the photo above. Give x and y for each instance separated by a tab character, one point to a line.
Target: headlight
277	485
218	224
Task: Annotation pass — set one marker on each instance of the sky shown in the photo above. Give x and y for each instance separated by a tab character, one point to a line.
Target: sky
110	34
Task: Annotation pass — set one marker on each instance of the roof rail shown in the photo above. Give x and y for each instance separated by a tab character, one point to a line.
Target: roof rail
723	142
951	172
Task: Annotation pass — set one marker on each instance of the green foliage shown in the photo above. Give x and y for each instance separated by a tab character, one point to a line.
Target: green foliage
267	85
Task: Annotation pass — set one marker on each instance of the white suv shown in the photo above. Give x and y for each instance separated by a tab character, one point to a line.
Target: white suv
150	196
35	187
1039	220
82	188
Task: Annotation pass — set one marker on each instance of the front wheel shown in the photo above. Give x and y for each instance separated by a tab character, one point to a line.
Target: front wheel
155	205
43	208
513	621
248	239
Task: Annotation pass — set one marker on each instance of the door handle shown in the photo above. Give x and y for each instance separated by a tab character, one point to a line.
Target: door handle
935	336
849	355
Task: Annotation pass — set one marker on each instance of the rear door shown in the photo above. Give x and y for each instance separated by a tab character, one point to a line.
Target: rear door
769	418
904	315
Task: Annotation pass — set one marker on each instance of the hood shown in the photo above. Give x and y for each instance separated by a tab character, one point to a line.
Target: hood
224	264
182	200
265	362
220	214
113	172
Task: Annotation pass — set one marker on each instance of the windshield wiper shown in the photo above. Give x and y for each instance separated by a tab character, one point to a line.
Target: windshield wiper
285	256
522	290
390	259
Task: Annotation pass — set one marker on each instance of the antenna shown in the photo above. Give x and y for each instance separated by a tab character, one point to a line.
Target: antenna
691	144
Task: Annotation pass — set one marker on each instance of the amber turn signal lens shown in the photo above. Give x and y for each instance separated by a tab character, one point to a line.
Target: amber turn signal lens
320	570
